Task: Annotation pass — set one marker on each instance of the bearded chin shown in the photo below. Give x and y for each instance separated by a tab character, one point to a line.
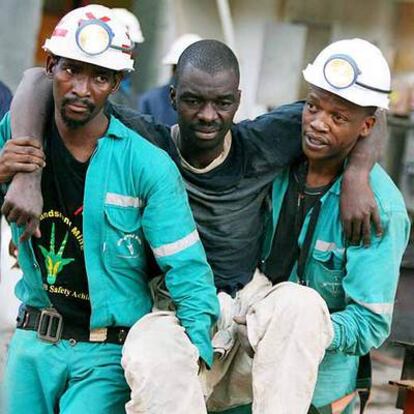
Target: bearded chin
74	123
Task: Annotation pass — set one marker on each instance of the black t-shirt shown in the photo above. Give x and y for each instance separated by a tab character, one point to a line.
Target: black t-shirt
59	251
229	202
298	200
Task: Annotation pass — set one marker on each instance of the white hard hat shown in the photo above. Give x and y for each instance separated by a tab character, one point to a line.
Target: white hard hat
178	47
131	22
92	34
353	69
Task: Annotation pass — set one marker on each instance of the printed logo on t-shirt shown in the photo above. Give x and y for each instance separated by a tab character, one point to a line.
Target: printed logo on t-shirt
60	254
54	261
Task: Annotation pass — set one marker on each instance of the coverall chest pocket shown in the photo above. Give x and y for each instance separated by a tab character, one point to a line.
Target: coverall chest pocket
124	237
328	270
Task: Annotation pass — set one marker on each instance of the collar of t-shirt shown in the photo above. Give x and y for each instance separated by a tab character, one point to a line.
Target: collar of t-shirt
175	135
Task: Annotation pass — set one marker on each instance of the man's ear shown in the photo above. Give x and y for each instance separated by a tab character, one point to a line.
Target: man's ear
367	126
173	97
51	62
117	82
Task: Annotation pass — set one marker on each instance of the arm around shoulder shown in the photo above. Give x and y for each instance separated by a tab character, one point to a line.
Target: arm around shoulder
276	135
30	110
32	104
358	205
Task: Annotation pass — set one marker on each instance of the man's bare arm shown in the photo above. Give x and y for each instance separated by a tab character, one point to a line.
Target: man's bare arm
358	205
29	113
20	155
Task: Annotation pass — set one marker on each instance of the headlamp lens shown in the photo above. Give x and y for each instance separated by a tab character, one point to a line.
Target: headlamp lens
340	72
93	38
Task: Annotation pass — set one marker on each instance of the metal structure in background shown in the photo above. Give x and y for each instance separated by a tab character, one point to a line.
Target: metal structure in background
19	22
227	23
286	62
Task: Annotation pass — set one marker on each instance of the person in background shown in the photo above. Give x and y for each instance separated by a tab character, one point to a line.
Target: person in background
126	95
5	100
156	102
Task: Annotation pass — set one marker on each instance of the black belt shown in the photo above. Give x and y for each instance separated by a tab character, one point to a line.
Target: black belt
50	328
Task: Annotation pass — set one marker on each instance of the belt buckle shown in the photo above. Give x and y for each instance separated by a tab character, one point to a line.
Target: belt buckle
47	317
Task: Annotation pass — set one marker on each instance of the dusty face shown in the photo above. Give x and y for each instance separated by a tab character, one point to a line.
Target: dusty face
206	105
331	126
80	89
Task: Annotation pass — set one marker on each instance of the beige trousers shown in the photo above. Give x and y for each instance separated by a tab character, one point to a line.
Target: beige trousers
289	328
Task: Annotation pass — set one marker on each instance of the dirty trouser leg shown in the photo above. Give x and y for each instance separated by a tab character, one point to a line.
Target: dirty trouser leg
161	367
289	330
235	386
228	383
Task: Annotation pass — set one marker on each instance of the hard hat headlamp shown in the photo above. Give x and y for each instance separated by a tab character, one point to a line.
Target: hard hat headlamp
94	37
341	72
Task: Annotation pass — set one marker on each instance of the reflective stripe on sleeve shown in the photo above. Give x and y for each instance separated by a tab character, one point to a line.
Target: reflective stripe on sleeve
378	308
123	200
177	246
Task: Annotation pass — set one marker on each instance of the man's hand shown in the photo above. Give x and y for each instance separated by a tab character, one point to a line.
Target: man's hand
242	335
23	203
358	208
20	155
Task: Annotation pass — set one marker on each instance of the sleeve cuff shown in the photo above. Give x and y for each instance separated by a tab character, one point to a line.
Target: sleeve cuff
335	344
206	354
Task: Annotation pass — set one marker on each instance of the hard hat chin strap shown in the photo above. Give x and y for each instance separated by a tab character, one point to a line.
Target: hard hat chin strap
372	88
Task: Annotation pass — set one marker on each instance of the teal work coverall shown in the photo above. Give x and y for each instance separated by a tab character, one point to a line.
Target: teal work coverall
132	189
357	283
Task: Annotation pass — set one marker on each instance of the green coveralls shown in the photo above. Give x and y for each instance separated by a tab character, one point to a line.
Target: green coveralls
357	283
132	189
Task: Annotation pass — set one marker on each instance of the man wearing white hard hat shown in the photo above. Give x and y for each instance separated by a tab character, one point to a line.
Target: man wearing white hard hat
156	102
108	196
132	24
355	285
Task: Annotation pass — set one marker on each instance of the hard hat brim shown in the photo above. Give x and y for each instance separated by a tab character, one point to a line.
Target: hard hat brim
102	61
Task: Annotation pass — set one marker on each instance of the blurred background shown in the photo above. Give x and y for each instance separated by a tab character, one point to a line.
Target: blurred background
274	40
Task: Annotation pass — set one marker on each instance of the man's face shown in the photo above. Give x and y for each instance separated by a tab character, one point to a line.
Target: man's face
80	89
205	105
331	126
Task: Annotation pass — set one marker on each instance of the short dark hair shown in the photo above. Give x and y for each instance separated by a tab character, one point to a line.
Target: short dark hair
210	56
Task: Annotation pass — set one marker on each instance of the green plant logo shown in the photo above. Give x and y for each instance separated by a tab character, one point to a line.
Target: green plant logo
54	262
